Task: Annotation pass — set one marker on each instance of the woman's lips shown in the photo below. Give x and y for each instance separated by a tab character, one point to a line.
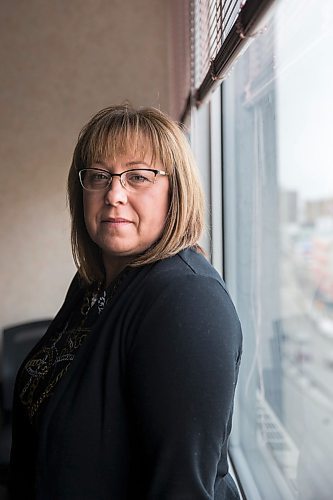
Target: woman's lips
116	221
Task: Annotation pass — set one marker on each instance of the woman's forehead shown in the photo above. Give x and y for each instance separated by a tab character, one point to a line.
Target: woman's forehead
134	147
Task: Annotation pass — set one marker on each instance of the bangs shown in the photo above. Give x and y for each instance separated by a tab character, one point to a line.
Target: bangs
126	134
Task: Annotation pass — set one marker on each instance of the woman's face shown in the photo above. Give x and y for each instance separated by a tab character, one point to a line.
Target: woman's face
122	223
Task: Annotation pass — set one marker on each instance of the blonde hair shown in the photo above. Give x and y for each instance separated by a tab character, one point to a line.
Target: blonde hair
116	130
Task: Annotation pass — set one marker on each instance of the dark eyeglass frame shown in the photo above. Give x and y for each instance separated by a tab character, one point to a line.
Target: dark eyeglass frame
120	175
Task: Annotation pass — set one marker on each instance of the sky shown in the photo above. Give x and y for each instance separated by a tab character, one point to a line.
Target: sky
304	90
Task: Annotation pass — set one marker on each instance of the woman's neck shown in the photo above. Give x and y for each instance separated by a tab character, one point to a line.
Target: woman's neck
113	267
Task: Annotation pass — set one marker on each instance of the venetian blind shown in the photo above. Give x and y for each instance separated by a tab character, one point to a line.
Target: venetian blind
220	30
212	22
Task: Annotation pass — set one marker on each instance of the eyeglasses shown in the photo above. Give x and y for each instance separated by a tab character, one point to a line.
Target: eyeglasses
139	179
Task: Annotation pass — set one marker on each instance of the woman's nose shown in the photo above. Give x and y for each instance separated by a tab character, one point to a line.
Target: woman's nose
116	193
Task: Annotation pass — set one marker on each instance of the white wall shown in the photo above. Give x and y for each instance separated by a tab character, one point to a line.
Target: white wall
61	61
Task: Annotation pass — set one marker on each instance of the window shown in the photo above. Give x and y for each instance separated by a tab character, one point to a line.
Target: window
206	143
278	216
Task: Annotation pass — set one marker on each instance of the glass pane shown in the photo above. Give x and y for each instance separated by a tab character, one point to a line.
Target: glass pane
278	125
201	146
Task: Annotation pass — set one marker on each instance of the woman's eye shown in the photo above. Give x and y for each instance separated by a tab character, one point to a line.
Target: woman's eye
137	178
98	176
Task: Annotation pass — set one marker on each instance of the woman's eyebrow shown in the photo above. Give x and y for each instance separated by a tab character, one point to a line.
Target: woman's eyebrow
136	162
100	162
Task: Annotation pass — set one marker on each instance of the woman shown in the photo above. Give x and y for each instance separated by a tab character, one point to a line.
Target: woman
129	395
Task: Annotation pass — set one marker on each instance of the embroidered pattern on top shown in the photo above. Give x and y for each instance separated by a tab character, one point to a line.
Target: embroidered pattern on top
48	365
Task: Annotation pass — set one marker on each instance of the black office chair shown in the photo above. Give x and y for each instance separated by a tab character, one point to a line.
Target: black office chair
17	342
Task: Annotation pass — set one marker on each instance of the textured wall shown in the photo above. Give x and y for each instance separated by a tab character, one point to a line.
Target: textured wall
61	61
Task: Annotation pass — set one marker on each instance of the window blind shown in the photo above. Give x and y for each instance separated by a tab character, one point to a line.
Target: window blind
213	20
220	30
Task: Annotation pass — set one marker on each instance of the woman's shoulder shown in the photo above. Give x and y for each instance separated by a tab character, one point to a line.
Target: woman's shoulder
185	280
187	262
185	297
74	294
76	288
188	266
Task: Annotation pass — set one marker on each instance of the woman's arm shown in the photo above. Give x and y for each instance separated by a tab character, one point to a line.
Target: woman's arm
182	375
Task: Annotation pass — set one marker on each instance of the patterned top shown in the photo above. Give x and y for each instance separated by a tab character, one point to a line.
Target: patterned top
48	364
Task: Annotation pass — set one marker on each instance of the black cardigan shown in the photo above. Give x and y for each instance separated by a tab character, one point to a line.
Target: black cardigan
144	411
